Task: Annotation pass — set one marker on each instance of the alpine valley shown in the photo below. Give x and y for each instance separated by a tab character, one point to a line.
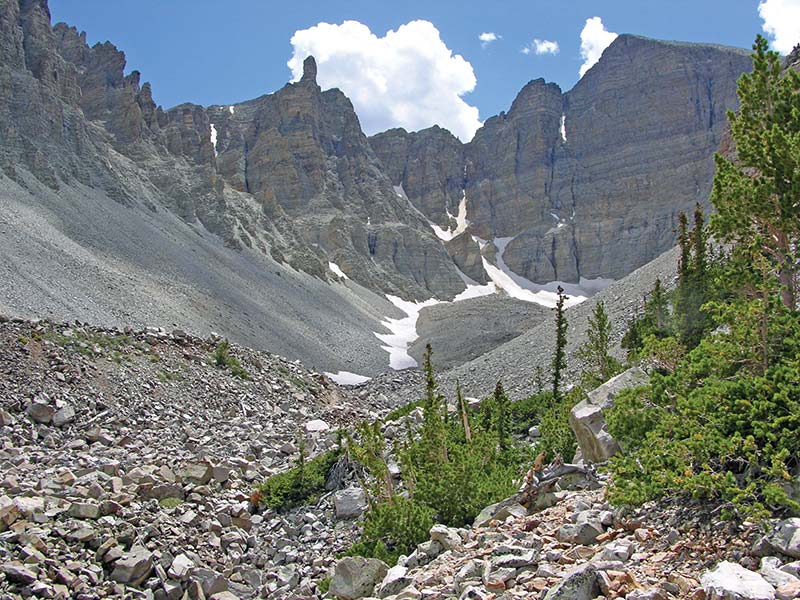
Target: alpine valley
216	326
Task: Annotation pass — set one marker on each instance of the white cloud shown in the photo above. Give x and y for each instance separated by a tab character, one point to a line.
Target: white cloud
594	39
407	78
488	37
781	22
541	47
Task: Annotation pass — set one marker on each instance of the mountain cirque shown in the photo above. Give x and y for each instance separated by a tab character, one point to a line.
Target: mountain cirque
587	182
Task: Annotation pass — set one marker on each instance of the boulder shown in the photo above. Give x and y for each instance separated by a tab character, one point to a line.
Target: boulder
587	418
448	537
771	571
731	581
396	581
356	577
350	503
579	583
316	426
64	416
786	537
199	473
134	566
41	412
499	511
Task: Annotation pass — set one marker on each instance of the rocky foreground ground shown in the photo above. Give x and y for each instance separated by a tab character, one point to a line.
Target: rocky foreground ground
128	458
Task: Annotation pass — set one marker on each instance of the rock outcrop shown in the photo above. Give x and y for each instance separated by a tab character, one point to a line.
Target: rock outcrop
587	418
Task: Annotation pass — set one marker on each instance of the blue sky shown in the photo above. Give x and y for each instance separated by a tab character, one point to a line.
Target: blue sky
212	52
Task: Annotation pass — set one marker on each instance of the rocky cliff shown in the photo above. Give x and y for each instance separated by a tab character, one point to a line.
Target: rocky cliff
588	183
290	174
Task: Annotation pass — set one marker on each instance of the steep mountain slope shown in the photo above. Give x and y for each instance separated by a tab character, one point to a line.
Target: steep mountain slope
588	183
237	218
289	174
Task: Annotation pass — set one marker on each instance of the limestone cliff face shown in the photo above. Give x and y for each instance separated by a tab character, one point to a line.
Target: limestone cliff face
302	155
69	112
589	182
429	165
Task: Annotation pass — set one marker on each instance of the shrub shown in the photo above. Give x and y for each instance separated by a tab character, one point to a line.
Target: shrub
222	359
392	528
452	469
713	429
302	484
552	419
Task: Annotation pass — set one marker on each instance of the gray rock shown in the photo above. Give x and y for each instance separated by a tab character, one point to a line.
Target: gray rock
584	532
499	511
618	550
18	573
64	416
181	567
41	412
199	473
356	577
84	510
771	571
587	418
448	537
786	537
395	581
134	566
730	581
349	503
579	583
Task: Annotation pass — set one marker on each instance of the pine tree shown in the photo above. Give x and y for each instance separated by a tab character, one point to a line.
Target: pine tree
434	427
560	355
654	321
464	412
692	289
601	366
756	192
502	417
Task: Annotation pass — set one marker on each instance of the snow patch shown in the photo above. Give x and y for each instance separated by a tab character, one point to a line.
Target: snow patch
443	234
214	138
461	222
230	108
347	378
563	128
474	289
336	270
521	288
403	332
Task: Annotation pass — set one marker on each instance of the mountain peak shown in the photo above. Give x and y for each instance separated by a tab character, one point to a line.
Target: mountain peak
309	69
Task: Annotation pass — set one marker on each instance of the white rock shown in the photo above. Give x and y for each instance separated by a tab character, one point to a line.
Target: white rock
317	425
730	581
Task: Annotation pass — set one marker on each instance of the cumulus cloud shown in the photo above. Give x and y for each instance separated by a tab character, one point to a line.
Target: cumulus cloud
594	39
487	37
541	47
781	23
407	78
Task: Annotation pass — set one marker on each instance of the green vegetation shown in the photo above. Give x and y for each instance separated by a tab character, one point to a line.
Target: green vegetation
402	411
552	419
222	359
721	417
324	585
560	355
85	343
302	484
452	467
596	352
170	502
